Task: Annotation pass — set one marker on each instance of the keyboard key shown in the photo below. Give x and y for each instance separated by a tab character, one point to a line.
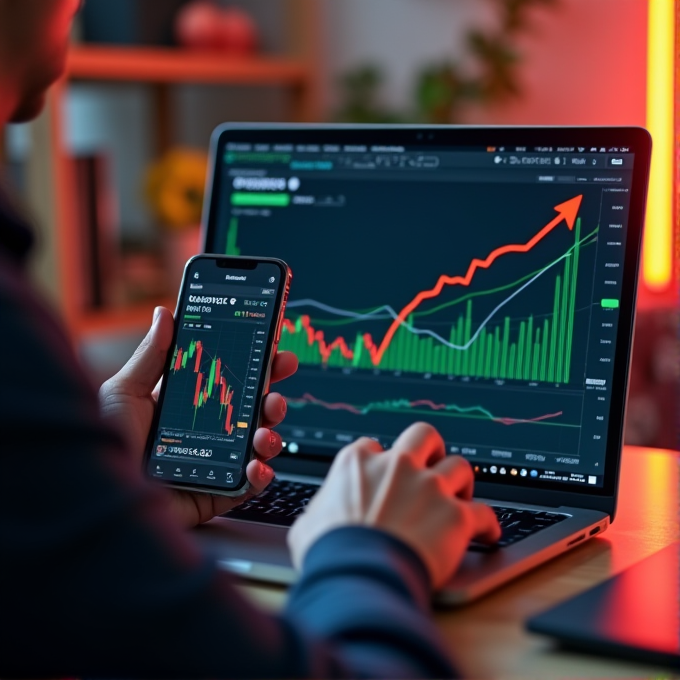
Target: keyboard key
281	502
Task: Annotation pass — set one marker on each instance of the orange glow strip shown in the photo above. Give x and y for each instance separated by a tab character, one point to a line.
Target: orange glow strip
658	243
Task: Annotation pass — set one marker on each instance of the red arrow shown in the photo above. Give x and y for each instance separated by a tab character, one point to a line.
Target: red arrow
567	211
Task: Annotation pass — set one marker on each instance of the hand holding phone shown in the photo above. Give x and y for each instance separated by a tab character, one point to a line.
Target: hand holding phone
227	326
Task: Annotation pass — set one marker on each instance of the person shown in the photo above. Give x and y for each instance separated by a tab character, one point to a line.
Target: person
99	575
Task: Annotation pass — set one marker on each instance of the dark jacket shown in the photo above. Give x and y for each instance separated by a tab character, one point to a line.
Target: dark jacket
96	581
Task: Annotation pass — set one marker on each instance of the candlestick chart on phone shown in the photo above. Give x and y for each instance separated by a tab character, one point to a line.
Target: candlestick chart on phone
212	387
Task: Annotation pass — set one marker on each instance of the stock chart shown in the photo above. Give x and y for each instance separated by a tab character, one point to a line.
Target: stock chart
210	396
211	383
468	306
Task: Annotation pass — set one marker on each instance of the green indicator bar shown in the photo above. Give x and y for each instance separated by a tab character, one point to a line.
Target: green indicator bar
610	304
401	341
253	199
572	300
392	351
505	373
466	338
489	355
192	316
386	361
450	354
472	366
481	347
408	348
358	346
211	379
559	377
554	332
519	366
232	238
527	349
428	355
536	356
497	353
458	367
544	351
304	346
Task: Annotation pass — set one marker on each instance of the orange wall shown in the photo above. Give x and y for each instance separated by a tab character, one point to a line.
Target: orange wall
584	64
584	61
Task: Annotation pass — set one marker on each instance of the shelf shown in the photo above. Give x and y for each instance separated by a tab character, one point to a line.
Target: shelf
125	319
167	65
52	186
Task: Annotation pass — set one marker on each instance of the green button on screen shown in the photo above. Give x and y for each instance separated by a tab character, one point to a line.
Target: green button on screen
254	199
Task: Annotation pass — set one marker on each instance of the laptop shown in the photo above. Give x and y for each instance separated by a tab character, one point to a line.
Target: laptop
482	279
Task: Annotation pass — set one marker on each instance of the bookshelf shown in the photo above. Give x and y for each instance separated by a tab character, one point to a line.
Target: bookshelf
163	65
50	179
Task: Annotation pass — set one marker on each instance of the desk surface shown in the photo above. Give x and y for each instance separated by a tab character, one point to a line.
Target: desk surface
487	638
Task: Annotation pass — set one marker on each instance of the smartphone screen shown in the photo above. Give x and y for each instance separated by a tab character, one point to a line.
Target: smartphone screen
226	321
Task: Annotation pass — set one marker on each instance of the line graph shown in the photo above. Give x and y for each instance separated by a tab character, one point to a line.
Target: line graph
567	211
347	316
423	406
532	351
390	312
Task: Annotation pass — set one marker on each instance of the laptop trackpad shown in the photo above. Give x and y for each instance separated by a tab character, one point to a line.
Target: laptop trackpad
251	550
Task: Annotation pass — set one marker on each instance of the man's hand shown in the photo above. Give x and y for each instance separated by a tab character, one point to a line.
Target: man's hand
129	397
413	491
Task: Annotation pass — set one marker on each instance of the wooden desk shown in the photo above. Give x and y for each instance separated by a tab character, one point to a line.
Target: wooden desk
487	638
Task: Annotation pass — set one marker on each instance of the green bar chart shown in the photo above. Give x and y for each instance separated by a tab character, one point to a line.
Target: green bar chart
534	348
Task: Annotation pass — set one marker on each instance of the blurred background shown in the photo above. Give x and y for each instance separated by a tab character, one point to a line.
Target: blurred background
113	172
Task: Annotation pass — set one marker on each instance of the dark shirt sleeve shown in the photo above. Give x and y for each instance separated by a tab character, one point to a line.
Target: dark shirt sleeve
96	581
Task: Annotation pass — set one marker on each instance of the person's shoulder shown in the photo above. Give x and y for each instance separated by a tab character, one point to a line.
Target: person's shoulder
16	235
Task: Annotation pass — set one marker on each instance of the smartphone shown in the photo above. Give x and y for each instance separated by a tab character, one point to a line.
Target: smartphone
227	327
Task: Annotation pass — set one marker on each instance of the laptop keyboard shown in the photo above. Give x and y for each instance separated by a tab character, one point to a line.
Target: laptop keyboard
517	524
282	501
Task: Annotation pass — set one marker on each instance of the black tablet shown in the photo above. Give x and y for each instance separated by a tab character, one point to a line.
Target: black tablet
635	615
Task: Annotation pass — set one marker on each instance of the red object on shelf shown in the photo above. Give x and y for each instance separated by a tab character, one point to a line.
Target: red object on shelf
238	33
202	25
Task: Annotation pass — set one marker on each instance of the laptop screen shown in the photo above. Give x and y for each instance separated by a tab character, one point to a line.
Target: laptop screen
485	287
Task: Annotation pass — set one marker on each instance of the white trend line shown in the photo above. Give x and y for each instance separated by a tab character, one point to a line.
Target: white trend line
423	331
309	302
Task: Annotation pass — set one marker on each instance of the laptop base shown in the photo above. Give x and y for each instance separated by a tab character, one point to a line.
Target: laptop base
259	552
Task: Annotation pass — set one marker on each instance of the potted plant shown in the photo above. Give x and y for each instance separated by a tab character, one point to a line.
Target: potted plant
174	188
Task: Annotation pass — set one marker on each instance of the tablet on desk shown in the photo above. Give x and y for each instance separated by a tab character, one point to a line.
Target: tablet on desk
635	614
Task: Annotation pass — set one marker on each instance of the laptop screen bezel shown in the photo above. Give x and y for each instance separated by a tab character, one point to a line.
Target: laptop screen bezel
636	138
